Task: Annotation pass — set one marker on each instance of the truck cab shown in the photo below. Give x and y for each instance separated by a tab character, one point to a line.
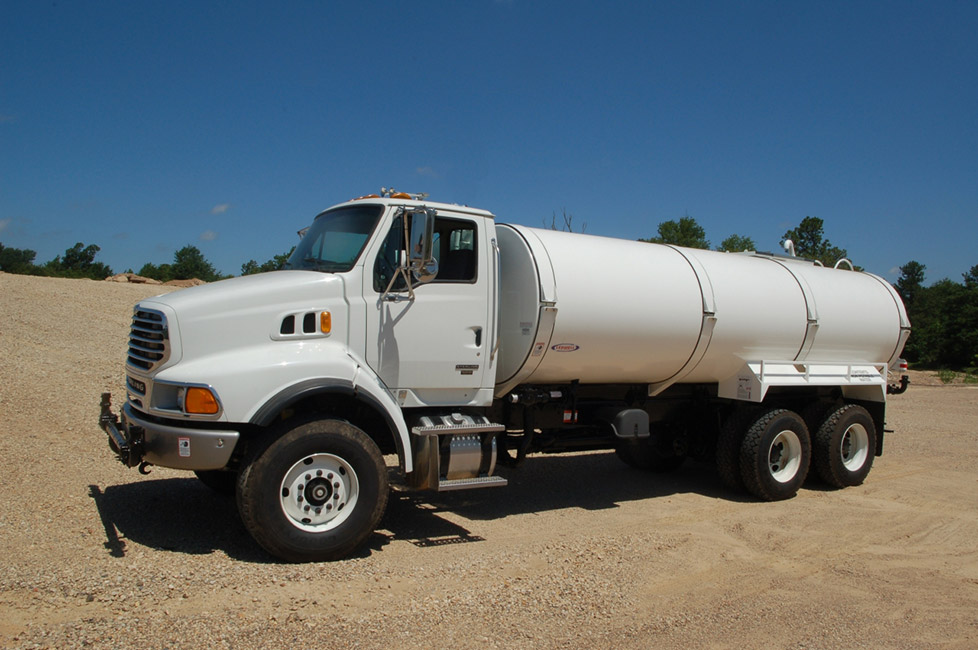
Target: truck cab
387	303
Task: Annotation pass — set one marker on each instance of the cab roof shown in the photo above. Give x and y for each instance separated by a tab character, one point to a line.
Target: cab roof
409	201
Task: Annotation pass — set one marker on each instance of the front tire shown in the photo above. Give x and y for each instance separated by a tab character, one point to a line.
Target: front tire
314	493
844	447
775	455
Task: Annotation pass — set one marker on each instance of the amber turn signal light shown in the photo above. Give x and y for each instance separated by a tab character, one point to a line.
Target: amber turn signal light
200	401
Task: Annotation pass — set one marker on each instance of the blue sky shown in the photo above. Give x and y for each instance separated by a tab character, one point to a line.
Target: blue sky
146	126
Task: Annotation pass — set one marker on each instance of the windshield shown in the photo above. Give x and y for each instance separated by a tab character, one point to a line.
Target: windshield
335	239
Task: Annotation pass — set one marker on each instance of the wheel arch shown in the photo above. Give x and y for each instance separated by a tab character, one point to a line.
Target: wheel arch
341	398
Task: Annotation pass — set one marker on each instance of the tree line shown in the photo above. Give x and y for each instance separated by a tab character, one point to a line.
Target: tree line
79	262
944	316
808	239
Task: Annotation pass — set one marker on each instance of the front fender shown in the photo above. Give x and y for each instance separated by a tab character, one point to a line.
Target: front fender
255	384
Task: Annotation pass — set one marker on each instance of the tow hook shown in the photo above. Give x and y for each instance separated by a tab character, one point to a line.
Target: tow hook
894	389
144	468
126	443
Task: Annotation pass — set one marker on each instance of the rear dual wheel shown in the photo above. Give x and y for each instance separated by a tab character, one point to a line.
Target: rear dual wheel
775	455
844	446
728	448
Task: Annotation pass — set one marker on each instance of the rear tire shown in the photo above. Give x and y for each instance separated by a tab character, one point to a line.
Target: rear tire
844	446
775	455
314	493
728	449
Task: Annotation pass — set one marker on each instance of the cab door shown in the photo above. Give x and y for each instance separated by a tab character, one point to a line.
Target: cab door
433	348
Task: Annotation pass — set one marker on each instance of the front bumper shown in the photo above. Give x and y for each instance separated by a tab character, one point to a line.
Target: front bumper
137	440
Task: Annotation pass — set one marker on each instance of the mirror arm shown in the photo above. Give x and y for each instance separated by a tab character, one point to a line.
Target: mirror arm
412	269
402	268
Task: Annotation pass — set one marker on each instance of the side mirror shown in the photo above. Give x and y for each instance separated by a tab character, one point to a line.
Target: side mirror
420	236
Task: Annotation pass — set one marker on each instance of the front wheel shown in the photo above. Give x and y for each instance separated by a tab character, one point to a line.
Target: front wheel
775	455
314	493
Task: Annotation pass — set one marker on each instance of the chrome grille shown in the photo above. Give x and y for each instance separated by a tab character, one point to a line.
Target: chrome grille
149	341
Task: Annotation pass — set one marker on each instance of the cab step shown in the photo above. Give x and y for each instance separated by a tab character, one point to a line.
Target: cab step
447	485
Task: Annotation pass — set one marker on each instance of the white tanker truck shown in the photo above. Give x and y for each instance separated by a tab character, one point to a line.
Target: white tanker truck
427	330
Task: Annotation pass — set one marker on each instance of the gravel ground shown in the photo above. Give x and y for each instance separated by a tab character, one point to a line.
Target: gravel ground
577	550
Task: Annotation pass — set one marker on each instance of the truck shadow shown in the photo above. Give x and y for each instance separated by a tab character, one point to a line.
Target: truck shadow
175	514
544	483
181	515
591	482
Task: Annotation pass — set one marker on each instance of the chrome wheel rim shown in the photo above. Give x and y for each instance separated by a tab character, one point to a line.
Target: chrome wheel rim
319	492
854	447
784	456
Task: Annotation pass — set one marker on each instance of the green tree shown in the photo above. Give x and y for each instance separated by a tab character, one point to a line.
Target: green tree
685	232
17	260
944	331
910	282
971	277
944	317
810	242
277	262
78	262
189	263
736	244
163	272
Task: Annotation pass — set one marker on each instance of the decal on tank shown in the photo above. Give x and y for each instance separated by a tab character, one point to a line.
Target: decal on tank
565	347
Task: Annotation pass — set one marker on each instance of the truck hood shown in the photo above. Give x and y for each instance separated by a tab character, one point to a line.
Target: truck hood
246	311
258	289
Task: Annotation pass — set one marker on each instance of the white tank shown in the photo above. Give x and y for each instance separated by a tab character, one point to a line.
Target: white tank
601	310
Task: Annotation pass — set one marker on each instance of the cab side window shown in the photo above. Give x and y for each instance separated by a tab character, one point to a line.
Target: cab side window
455	248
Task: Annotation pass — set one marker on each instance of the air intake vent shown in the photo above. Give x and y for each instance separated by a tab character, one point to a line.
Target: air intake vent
149	341
288	325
